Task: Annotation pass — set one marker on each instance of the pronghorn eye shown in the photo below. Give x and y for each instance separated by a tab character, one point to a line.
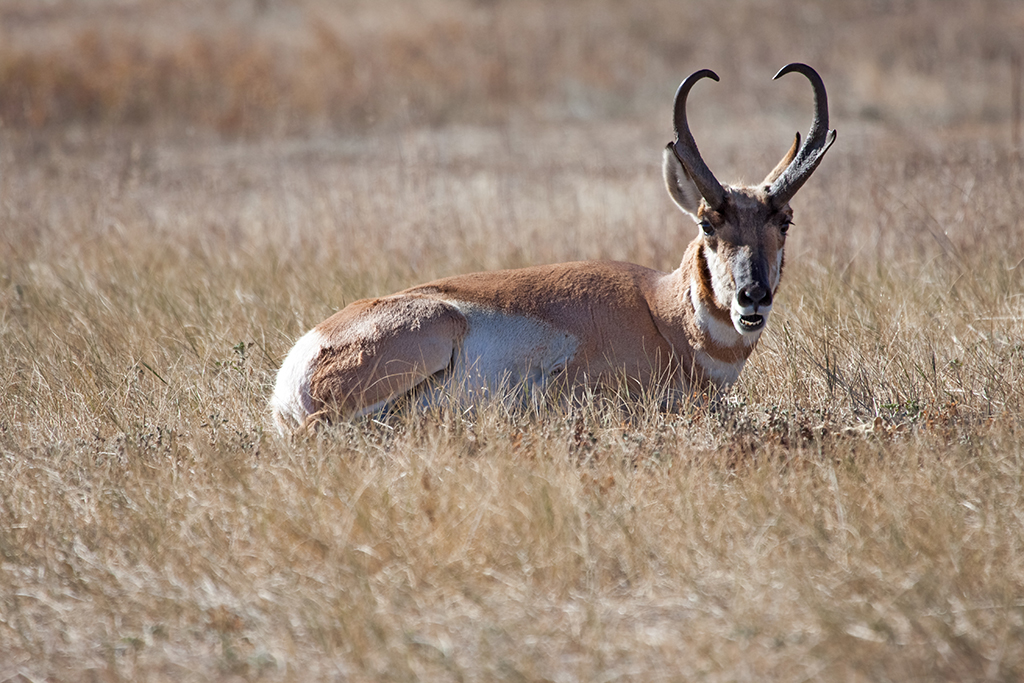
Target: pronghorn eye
707	227
784	228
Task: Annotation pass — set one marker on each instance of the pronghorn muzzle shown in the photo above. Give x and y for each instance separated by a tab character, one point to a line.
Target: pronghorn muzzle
753	300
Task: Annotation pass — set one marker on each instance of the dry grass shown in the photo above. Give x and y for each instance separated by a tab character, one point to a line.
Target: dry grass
184	190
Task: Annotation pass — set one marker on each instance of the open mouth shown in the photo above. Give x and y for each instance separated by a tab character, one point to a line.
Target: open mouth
752	322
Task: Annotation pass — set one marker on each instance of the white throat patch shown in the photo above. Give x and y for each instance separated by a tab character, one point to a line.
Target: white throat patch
721	333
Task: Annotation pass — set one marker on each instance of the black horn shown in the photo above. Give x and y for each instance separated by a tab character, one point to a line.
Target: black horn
686	149
819	139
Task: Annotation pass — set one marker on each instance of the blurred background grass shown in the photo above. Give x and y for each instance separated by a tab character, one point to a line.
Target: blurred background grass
269	66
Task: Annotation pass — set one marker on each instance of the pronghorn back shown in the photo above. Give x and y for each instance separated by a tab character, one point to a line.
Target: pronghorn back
571	326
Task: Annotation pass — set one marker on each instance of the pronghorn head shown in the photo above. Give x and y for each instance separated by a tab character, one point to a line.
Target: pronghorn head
743	229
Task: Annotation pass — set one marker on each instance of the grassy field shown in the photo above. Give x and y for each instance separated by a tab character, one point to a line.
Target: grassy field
187	187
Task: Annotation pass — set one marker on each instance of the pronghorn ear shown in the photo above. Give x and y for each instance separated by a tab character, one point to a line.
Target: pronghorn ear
784	164
682	190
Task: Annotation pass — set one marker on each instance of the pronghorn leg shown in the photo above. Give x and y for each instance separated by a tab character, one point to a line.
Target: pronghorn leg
377	350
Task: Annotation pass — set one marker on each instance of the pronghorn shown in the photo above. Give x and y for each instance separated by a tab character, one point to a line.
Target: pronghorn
572	326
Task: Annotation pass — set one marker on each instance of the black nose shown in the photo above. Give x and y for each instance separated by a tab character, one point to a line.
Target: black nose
755	294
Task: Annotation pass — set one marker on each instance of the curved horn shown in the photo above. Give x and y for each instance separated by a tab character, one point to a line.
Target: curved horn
686	149
819	139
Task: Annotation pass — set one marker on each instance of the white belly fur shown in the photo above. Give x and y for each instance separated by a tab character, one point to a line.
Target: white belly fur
501	352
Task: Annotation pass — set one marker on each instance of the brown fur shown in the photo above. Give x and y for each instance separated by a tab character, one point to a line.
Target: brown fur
602	304
379	348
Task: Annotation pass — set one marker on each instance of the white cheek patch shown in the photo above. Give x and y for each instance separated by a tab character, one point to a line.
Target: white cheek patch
291	403
721	278
722	333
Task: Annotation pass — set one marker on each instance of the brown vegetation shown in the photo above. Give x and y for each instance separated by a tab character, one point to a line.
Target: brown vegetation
185	188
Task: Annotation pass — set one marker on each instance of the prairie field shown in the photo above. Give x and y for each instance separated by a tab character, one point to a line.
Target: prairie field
186	187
